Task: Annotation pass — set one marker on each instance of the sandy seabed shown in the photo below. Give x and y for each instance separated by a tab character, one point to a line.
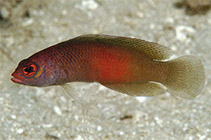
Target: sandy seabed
29	113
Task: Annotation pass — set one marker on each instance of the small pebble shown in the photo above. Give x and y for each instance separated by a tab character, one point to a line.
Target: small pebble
13	116
57	110
183	31
20	131
141	99
27	22
169	20
64	12
47	125
187	52
99	128
158	120
4	13
90	4
78	138
121	133
173	48
198	4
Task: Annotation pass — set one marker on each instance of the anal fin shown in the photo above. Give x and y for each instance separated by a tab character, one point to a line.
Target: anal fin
139	89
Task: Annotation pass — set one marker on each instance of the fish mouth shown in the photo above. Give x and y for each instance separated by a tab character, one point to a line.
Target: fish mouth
16	79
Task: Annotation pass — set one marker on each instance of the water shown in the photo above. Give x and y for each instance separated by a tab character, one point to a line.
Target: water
47	113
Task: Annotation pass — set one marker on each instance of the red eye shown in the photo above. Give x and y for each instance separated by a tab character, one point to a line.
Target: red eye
30	70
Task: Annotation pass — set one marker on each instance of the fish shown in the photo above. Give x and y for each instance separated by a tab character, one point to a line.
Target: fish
127	65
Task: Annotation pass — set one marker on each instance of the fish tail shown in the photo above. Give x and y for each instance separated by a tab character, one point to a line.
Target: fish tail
186	76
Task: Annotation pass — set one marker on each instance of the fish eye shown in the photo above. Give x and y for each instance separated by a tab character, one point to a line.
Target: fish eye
30	70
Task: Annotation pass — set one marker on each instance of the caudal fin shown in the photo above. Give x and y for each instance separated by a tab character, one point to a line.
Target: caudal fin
186	78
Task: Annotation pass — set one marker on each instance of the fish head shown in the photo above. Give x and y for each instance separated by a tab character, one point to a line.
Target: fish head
28	72
39	72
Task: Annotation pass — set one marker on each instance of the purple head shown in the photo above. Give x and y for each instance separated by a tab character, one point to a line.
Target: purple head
39	70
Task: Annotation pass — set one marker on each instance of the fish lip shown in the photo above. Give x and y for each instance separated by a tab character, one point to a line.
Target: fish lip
16	80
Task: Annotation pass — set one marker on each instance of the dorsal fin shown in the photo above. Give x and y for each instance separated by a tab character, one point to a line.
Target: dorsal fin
151	49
